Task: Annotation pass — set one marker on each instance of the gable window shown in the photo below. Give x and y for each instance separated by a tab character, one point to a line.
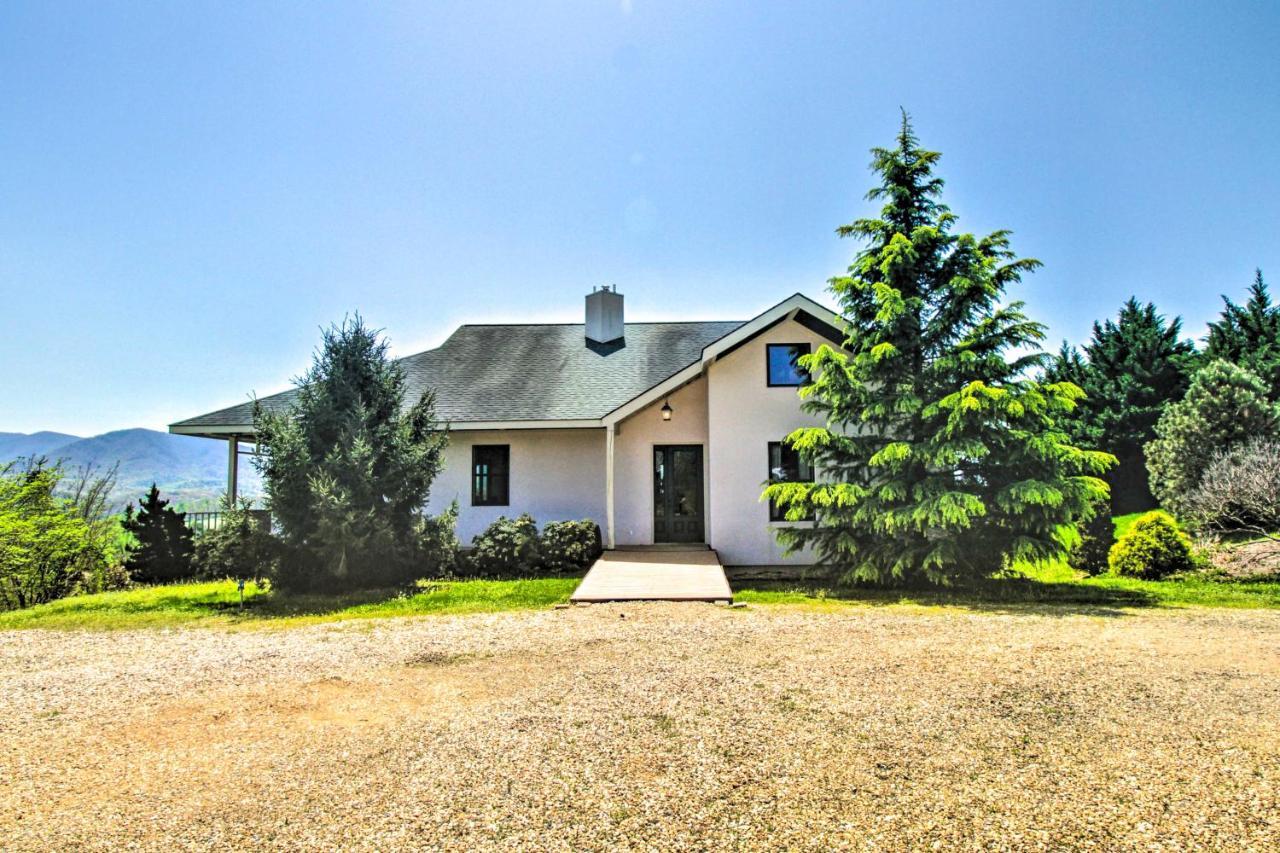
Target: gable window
786	466
490	474
781	361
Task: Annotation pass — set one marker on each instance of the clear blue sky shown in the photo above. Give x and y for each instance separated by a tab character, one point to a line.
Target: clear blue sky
188	191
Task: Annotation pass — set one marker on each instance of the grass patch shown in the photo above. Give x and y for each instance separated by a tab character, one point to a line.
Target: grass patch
1124	522
1197	589
1054	584
140	607
1051	585
217	604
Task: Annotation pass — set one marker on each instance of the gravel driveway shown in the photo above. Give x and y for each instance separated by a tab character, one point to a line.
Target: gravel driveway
651	726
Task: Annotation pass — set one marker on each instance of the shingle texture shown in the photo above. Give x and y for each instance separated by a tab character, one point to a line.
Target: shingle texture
532	372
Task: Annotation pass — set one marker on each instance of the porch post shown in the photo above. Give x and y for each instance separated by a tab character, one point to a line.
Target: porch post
233	466
608	485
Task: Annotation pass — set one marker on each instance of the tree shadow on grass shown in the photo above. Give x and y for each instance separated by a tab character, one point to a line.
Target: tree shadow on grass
279	605
998	595
258	603
426	596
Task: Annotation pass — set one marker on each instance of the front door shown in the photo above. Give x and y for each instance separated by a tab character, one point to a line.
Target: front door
677	493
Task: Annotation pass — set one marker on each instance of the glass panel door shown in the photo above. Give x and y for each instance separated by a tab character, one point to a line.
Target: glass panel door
677	493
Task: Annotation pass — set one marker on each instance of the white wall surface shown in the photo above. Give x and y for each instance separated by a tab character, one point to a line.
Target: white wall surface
744	415
556	475
559	474
633	459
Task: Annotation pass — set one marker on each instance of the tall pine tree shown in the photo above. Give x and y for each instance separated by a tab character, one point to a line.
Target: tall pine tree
1132	368
348	469
940	458
1249	335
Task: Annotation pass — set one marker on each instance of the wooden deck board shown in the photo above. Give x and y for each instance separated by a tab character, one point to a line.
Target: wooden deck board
657	575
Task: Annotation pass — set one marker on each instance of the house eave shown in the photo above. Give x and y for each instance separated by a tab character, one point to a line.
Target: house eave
222	431
247	431
787	309
472	426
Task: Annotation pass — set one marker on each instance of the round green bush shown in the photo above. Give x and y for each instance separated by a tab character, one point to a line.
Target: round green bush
508	548
1152	548
569	546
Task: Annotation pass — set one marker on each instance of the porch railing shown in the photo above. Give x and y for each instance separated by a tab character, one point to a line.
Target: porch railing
204	522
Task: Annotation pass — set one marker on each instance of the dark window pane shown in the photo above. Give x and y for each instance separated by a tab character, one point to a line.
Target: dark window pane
783	369
686	479
786	465
490	474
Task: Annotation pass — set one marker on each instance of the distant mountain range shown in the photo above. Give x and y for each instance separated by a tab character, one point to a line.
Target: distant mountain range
191	472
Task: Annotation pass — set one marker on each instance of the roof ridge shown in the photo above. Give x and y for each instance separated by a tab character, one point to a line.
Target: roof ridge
627	323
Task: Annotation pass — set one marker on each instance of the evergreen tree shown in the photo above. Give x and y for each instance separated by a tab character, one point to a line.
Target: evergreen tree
1131	369
348	468
1097	535
1249	335
940	457
1225	407
1069	365
163	545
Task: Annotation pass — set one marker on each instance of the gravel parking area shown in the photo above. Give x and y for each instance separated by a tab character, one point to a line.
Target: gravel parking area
651	726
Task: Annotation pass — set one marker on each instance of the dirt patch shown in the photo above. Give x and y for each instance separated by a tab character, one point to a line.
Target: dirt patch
1249	559
680	725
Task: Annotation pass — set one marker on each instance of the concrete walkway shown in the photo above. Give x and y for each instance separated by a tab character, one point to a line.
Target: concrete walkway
655	575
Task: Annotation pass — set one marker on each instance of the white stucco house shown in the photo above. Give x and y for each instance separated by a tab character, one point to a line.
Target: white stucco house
660	431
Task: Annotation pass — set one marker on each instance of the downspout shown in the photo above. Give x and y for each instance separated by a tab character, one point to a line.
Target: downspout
608	485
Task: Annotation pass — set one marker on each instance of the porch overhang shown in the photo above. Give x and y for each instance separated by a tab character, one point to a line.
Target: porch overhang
246	432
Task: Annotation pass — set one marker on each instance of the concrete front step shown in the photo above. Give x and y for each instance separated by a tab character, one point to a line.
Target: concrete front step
655	575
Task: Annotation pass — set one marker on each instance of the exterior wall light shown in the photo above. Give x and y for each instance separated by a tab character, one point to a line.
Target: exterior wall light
666	410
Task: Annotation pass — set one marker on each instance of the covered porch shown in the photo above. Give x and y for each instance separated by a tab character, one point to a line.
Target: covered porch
241	442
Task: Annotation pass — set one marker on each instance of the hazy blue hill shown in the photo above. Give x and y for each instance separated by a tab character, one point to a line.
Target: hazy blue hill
189	471
15	444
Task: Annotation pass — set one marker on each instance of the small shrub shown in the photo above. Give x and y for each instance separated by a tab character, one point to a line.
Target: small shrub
109	576
438	542
570	546
164	548
1152	548
1097	535
240	548
1239	490
507	548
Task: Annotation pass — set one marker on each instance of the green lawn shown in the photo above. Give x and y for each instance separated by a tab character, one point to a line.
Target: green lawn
217	604
1051	585
1124	522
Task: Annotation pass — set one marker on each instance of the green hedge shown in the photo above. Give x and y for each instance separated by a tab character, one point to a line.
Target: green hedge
512	547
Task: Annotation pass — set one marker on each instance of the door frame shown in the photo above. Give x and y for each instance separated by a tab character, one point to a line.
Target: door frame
703	491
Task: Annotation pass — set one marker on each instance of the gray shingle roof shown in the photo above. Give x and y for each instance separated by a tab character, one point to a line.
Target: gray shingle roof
532	372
